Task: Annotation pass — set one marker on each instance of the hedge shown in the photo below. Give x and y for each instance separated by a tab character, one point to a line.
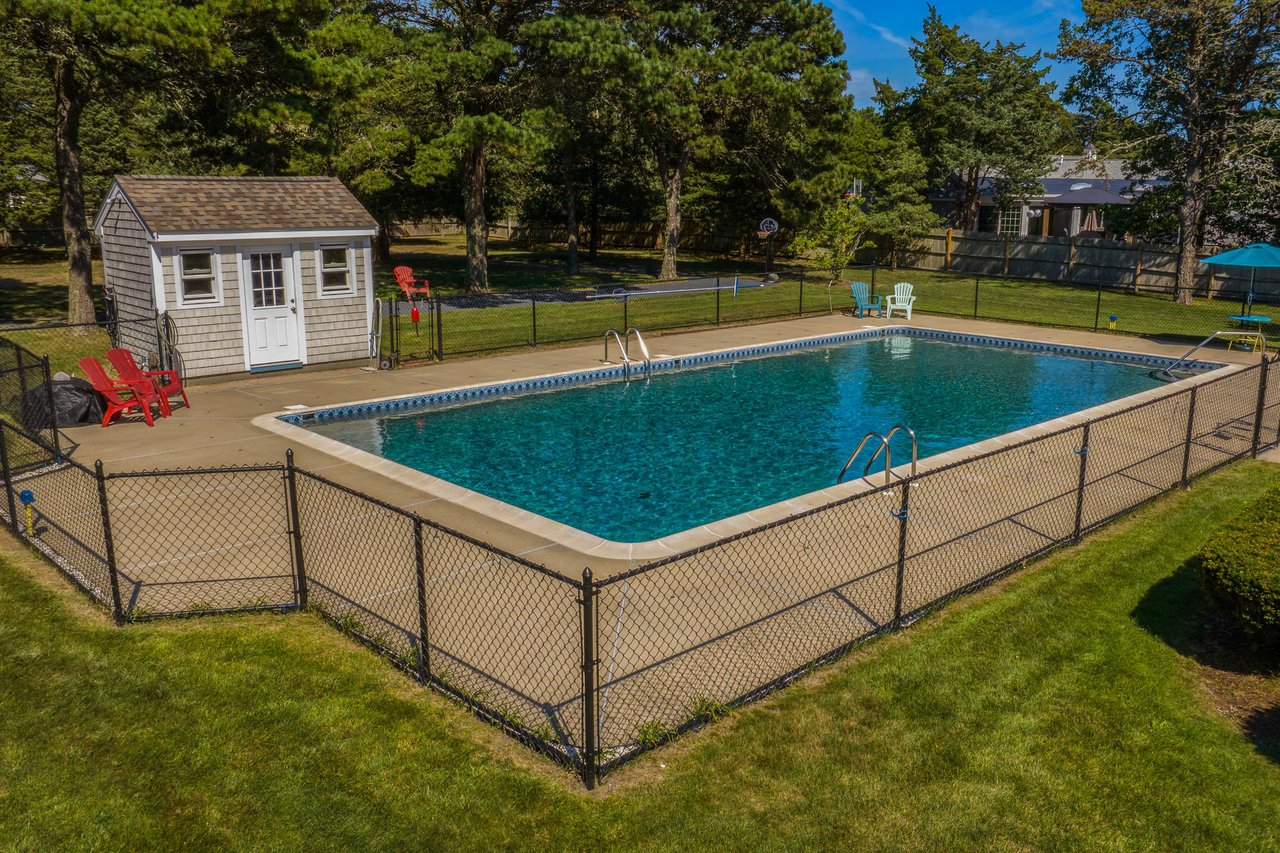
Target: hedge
1240	569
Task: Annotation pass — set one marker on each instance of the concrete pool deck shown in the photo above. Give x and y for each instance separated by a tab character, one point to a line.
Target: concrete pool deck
220	429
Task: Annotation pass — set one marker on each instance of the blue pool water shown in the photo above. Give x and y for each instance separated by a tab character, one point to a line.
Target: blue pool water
637	461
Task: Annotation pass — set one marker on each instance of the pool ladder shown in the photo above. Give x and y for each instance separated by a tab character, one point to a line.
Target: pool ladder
622	340
1257	337
883	447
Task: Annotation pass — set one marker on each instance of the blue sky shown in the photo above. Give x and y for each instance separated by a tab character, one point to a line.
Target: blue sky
877	35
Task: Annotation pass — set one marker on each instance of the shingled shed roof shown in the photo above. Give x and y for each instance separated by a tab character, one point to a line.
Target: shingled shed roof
176	205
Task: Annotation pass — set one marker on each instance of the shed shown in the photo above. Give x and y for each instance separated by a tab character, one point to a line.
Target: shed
247	274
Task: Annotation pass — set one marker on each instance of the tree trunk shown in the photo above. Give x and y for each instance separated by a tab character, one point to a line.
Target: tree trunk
1190	214
593	212
382	246
473	180
673	182
571	210
968	200
69	99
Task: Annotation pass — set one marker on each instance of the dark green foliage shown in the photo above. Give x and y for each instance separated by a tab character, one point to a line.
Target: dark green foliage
1240	569
983	115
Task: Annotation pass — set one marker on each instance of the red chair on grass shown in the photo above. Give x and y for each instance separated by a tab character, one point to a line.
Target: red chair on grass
128	371
409	284
142	395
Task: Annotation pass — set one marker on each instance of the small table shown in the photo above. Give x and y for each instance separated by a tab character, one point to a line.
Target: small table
1245	319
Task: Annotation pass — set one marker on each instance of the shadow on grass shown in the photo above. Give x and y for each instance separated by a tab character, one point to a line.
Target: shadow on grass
1263	728
1177	611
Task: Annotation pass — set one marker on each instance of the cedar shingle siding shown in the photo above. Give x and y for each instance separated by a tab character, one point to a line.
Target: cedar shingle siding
221	215
126	259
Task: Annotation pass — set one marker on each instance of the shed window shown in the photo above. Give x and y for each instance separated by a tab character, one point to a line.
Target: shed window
335	271
195	277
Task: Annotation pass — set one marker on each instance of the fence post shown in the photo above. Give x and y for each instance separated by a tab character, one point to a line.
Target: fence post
976	280
717	300
22	376
801	314
873	279
420	568
117	612
1262	403
626	307
439	329
295	529
8	478
1097	308
1083	453
533	308
901	515
1191	424
588	681
53	412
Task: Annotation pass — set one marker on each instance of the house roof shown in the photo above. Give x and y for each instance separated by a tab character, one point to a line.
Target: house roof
1090	195
204	205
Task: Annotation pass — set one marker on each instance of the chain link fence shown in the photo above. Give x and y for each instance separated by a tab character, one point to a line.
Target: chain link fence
595	671
455	325
1099	304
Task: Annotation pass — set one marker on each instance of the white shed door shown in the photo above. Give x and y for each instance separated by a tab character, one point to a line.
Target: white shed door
271	296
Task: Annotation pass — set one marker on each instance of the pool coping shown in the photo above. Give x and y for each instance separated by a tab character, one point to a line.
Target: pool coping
289	425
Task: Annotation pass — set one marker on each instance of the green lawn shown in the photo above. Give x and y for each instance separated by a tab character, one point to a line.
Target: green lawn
32	282
1058	710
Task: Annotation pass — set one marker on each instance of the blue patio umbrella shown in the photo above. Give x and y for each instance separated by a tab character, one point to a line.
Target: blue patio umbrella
1257	255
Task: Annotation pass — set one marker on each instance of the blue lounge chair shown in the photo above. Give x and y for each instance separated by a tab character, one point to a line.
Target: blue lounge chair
863	301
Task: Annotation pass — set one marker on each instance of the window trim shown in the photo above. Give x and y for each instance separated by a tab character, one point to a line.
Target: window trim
1015	215
215	259
353	287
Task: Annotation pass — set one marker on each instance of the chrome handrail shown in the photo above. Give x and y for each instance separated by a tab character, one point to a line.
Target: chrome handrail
622	348
915	448
861	444
644	349
1168	371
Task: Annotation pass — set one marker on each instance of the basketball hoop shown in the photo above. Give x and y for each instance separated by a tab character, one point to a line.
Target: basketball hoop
763	235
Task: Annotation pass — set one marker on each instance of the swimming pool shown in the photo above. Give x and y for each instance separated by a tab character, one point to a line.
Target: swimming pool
710	437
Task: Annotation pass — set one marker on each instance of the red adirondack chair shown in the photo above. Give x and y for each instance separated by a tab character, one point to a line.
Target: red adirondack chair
142	394
128	371
409	284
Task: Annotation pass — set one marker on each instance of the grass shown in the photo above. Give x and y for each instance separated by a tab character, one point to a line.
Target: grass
1057	710
32	284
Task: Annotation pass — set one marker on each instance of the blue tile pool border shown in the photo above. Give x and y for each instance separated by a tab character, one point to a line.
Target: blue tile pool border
444	399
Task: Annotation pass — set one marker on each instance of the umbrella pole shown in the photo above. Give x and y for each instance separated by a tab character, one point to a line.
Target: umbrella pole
1246	307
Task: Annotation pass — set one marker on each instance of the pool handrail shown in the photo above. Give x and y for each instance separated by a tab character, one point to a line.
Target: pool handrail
644	349
1168	371
888	437
884	444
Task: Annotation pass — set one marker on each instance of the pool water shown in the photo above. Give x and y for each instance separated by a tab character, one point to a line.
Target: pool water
636	461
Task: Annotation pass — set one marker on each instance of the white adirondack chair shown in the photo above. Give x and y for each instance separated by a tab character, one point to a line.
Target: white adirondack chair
901	299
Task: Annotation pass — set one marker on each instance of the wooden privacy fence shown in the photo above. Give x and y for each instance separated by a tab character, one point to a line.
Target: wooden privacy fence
1076	260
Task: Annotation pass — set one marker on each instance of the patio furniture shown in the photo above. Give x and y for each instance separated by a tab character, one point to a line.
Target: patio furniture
128	371
901	300
410	285
1255	342
142	394
863	301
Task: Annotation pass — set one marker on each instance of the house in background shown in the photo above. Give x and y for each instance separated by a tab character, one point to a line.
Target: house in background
250	274
1071	202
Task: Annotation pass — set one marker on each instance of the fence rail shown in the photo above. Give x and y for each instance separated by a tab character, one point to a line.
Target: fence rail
448	326
594	671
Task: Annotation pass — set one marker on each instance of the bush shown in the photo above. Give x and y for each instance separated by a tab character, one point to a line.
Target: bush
1240	569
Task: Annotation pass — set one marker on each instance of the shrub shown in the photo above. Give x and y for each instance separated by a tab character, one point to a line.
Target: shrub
1240	569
